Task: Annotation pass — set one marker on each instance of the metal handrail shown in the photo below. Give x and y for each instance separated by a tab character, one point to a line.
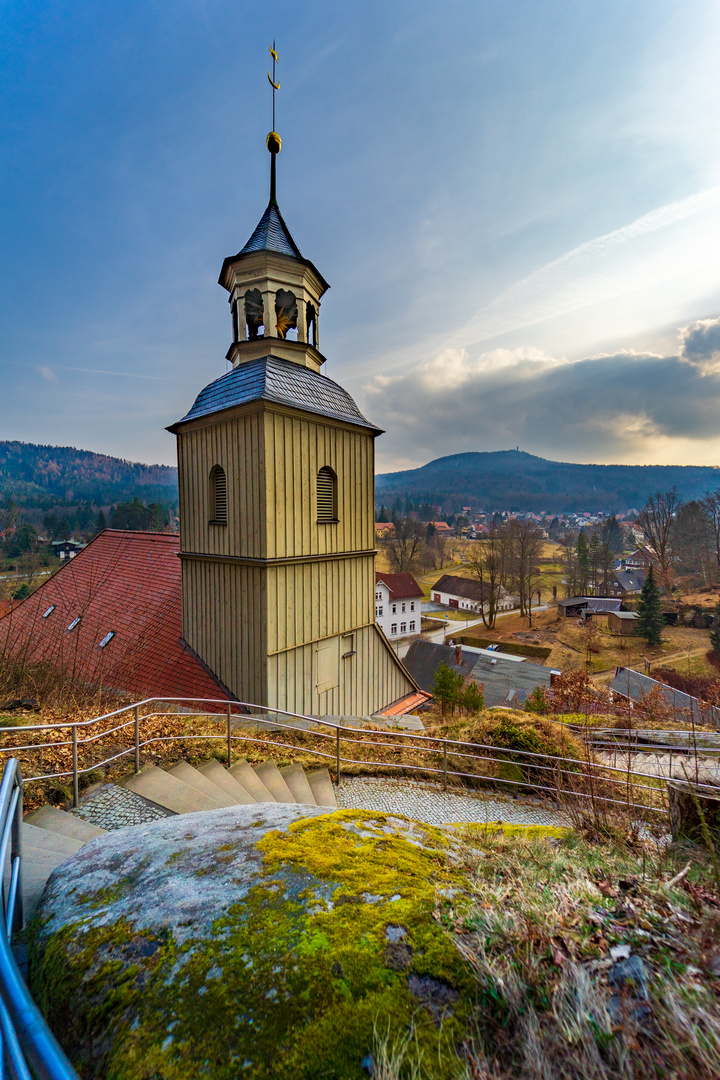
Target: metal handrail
28	1047
427	745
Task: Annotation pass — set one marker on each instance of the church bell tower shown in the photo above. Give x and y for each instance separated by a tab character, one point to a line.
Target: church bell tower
277	506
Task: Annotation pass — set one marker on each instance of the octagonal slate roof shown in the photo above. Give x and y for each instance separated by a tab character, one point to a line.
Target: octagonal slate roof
272	234
281	381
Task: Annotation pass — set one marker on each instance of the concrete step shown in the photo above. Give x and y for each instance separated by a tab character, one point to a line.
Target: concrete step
322	787
271	777
168	791
295	778
54	820
33	836
246	775
220	776
38	864
195	779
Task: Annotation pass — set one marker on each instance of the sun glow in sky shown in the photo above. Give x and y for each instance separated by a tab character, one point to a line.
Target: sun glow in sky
517	206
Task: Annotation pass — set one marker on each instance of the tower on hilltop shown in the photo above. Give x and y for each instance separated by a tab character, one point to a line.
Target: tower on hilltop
277	507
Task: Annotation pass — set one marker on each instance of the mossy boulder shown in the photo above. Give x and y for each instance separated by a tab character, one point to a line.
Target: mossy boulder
260	941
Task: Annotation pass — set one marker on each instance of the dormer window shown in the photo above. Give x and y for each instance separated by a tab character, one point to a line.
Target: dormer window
74	623
326	496
218	496
48	612
107	639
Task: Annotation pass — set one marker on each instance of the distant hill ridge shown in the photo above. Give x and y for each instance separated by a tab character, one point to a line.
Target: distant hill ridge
515	480
35	475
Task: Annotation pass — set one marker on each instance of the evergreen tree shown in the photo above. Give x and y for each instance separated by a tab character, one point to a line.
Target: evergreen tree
382	516
582	556
715	631
447	687
650	621
100	522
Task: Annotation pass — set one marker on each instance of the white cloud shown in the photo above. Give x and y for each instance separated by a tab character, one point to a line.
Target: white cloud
676	240
628	406
48	373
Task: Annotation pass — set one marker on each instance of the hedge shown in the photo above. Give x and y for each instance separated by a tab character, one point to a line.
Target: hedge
515	648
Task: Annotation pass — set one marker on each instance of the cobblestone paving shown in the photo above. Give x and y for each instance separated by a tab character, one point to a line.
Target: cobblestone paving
436	807
114	807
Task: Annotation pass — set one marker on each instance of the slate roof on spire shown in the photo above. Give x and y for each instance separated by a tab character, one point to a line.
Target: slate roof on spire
272	379
272	234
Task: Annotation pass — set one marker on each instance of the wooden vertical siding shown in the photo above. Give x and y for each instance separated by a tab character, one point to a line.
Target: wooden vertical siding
312	600
225	622
257	627
237	444
369	680
296	448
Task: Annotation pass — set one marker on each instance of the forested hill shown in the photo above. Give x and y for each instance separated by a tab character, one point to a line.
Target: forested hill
42	476
514	480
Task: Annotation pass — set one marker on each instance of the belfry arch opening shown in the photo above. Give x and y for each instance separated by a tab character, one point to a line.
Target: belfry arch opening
254	314
311	324
286	313
326	496
218	496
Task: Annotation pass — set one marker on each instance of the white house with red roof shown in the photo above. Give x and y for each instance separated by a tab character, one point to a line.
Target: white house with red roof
398	599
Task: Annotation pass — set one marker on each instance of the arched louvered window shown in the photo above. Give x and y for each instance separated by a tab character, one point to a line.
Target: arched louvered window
218	496
326	495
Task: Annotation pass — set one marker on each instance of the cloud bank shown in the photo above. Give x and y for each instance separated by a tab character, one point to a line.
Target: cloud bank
625	407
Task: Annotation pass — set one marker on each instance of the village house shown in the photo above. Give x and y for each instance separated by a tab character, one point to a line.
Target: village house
624	583
383	529
468	594
398	599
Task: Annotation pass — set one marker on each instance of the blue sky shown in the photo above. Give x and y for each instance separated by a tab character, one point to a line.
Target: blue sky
517	206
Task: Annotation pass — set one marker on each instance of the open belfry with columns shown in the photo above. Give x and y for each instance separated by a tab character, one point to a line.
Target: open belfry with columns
276	480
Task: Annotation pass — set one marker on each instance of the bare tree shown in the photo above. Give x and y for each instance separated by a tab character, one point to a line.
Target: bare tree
405	544
657	521
695	541
611	542
525	548
711	505
487	564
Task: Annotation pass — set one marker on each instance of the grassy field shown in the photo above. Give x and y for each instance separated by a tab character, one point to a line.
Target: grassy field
683	648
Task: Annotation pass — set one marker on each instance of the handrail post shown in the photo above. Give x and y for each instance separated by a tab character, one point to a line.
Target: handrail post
444	766
229	745
337	755
137	738
76	791
16	853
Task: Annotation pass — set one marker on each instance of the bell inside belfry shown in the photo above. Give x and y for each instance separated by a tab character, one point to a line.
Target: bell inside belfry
286	311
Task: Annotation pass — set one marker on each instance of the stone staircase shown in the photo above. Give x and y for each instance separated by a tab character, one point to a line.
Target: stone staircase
50	836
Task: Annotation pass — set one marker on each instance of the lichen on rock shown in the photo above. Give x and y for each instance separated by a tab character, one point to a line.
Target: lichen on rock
261	941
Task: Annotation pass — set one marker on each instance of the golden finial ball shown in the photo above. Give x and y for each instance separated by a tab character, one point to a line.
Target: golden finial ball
274	143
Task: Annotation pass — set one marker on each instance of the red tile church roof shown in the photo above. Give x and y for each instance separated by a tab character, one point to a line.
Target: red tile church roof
127	583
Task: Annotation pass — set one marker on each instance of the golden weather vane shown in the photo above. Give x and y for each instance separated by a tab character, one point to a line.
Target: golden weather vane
275	86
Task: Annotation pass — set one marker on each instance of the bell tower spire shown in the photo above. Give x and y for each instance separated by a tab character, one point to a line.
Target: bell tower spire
275	471
274	292
274	142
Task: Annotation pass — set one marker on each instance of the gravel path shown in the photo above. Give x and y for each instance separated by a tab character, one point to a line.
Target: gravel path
436	807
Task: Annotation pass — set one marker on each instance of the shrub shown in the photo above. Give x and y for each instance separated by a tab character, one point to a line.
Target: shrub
537	701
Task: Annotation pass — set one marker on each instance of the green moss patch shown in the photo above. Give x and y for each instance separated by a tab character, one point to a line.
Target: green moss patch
341	931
